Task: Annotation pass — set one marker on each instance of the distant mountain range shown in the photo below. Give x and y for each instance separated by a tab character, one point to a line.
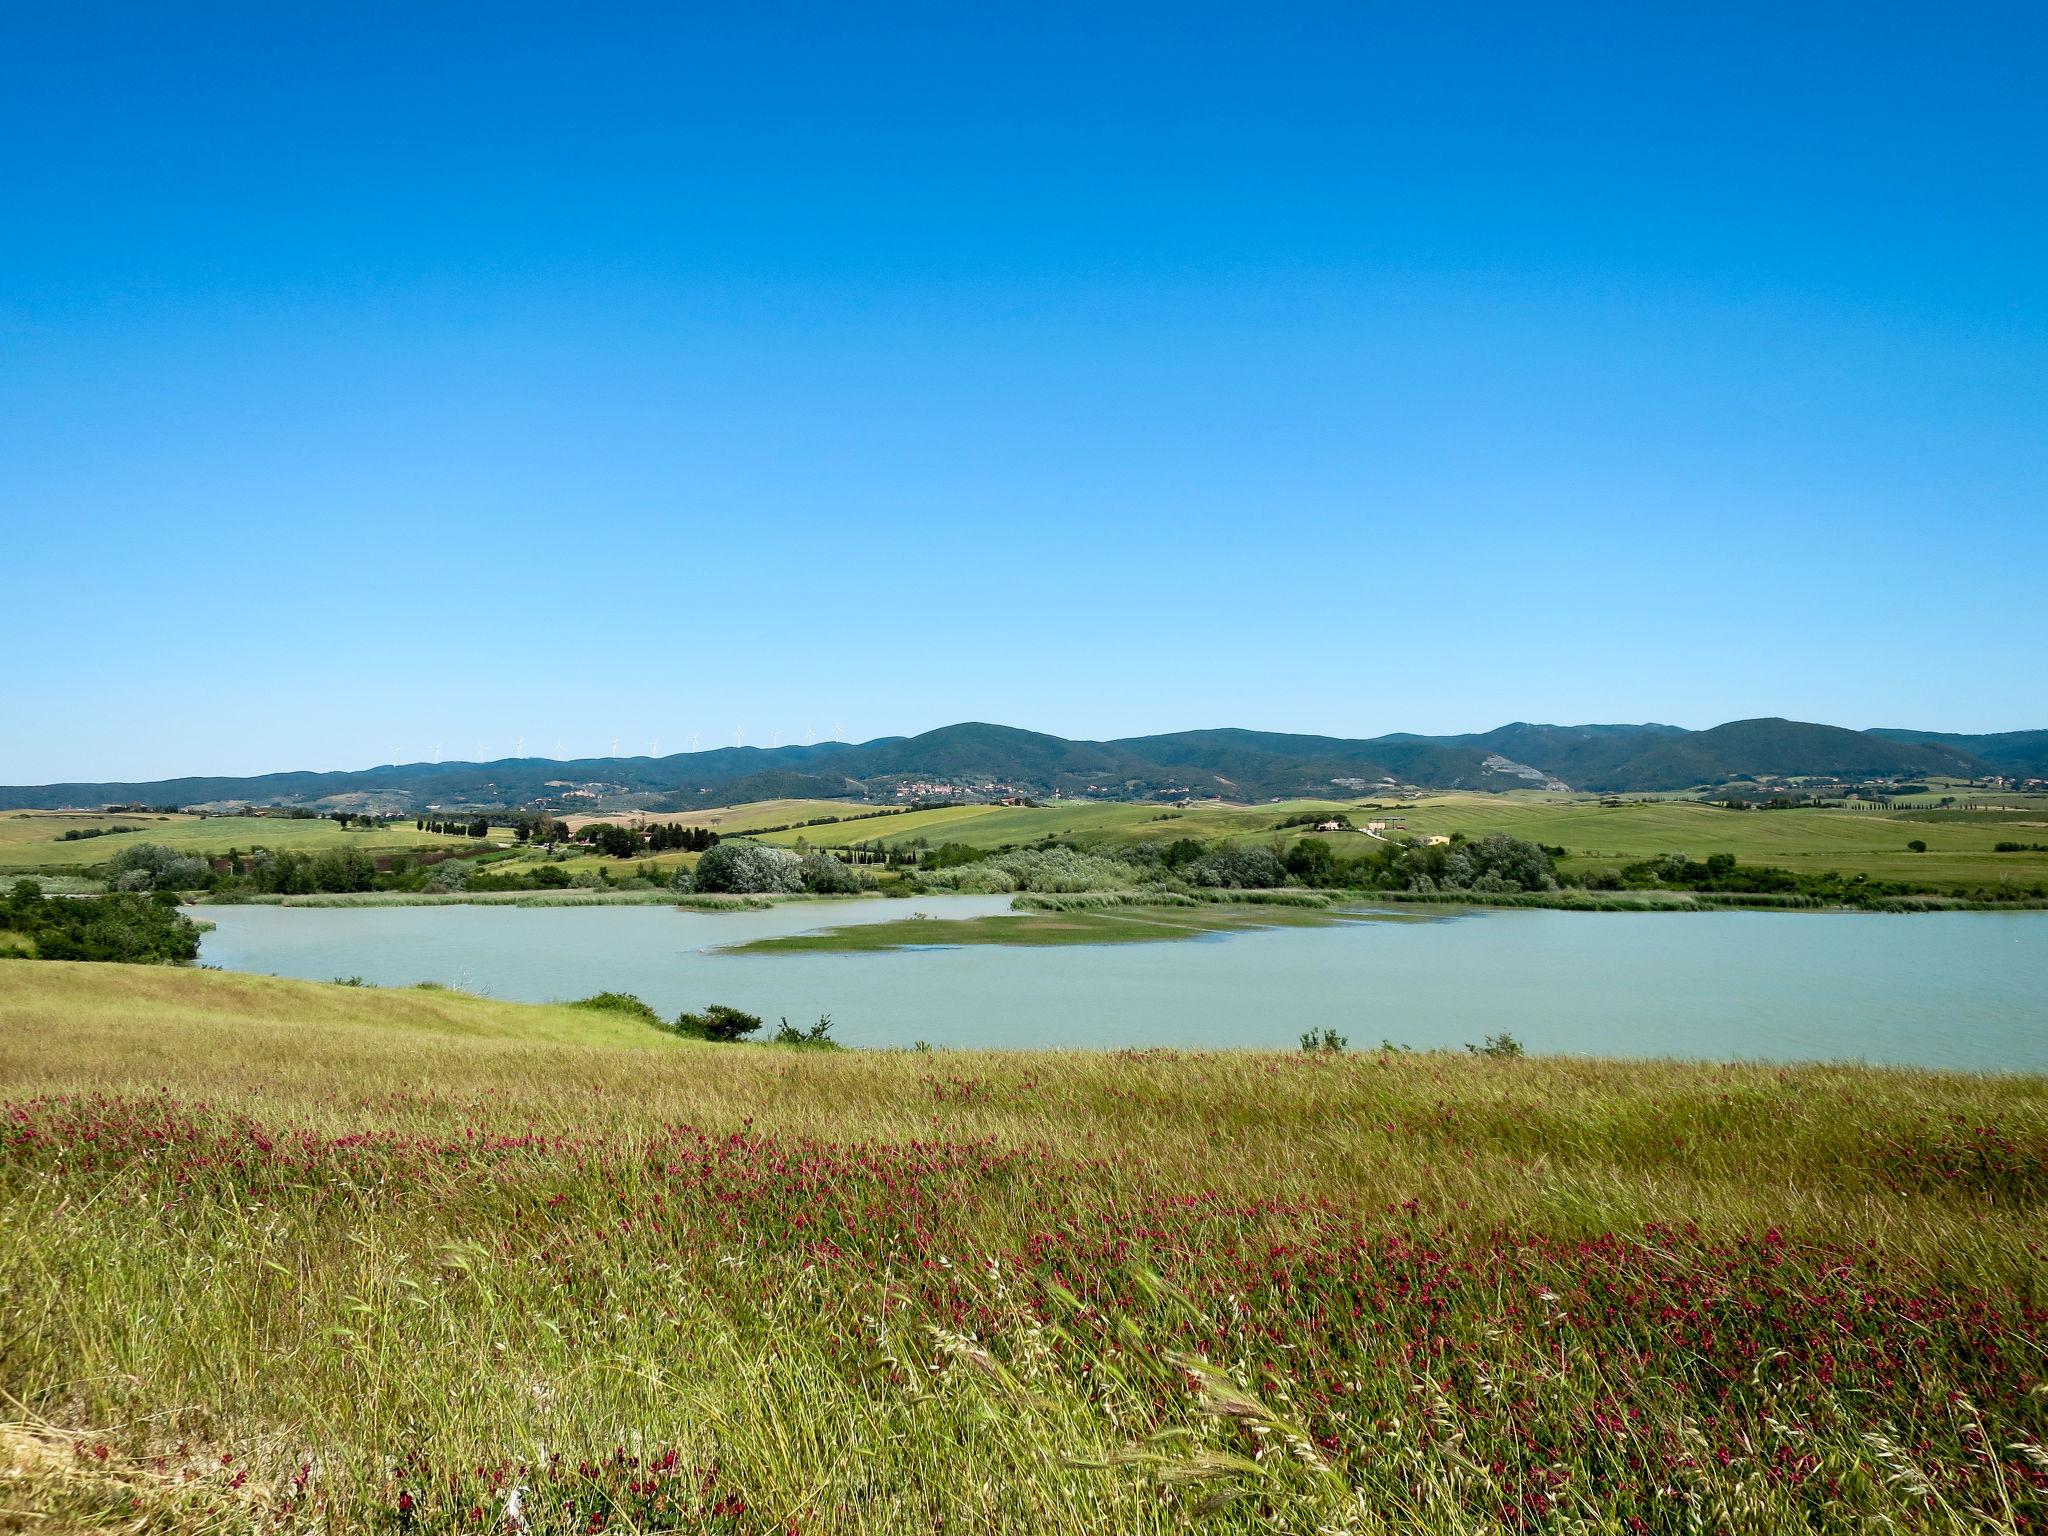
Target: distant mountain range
998	759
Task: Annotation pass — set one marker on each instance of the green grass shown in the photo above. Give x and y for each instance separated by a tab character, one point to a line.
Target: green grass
1121	923
1873	843
32	840
1853	842
284	1256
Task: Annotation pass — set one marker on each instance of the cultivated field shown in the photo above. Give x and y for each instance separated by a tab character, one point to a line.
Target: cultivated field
1595	836
728	818
299	1257
34	839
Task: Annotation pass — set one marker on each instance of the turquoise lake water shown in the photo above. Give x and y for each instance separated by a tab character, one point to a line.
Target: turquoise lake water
1943	989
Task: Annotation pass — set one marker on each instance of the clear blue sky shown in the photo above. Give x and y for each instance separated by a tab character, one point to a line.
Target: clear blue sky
377	377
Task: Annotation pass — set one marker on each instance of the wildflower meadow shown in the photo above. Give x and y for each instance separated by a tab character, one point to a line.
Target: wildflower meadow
285	1257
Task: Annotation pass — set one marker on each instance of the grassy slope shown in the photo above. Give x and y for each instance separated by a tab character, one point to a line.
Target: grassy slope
1868	842
33	839
771	1302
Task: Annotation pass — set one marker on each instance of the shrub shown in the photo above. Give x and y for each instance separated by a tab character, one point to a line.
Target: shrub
951	856
122	927
620	1002
825	875
748	868
1496	864
1044	870
816	1038
1916	846
717	1022
448	875
1324	1042
1239	869
153	867
1502	1047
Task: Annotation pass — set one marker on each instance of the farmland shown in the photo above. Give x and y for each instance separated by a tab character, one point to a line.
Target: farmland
284	1255
33	840
1595	836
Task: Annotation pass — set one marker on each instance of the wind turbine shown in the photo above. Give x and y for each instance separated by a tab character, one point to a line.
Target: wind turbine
481	749
615	746
838	731
558	747
693	741
654	747
437	751
519	747
775	738
739	735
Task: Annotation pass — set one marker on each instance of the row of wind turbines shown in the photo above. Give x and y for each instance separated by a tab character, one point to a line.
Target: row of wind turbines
739	739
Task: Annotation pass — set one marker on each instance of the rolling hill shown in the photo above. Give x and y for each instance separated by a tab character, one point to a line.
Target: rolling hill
1229	763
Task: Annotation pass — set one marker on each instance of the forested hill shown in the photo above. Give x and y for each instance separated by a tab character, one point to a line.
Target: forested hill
1235	764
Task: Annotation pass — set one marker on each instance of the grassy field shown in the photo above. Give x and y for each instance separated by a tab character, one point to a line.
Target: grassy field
1133	924
34	839
733	818
288	1257
1596	836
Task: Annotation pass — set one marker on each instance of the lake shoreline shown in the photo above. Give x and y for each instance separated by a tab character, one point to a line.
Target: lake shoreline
1568	900
1941	991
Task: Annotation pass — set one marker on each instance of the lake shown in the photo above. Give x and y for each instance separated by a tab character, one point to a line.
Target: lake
1940	989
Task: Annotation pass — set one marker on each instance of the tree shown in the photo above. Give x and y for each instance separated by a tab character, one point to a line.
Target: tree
743	867
824	875
612	841
1239	869
1916	846
717	1022
344	869
1312	861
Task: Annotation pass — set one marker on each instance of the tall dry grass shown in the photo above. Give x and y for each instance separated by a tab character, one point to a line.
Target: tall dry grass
282	1255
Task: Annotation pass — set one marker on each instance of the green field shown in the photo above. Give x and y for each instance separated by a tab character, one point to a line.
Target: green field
281	1256
1595	836
1133	924
32	840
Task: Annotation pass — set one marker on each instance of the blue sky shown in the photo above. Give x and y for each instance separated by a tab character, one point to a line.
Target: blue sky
374	378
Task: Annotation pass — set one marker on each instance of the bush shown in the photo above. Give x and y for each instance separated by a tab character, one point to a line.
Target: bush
1916	846
951	856
1049	871
1496	865
123	927
744	868
153	867
620	1002
448	875
817	1038
717	1022
1238	869
824	875
1501	1047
